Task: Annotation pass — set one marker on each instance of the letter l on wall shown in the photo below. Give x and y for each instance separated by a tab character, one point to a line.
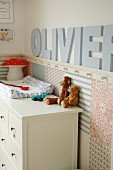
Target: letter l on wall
45	53
54	55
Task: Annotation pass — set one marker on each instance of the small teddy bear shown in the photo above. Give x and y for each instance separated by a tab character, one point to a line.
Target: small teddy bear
65	89
72	99
65	83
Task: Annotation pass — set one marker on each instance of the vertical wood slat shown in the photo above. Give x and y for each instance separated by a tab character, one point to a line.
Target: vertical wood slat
84	100
3	70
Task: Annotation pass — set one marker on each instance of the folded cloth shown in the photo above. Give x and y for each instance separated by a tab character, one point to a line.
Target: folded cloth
36	86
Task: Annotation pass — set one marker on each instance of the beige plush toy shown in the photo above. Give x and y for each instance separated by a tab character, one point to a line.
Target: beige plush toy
72	99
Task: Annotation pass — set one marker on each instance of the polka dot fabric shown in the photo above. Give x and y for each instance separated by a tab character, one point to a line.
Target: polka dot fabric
14	62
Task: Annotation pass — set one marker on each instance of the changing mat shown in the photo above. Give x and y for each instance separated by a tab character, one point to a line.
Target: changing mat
35	87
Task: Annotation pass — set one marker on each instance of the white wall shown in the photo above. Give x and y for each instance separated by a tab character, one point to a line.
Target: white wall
17	45
64	13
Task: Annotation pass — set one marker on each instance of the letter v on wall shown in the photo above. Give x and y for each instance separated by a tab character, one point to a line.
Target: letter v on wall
65	44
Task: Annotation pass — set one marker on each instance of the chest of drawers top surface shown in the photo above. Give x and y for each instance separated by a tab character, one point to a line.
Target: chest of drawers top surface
26	107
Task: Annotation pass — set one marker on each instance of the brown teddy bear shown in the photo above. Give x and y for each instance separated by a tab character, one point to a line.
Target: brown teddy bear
65	87
65	83
72	99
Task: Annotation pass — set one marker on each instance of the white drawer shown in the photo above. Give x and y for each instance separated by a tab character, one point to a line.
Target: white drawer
15	154
5	163
11	148
15	129
4	138
4	115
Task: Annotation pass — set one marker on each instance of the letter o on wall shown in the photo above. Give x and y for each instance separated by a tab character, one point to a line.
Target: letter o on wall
36	42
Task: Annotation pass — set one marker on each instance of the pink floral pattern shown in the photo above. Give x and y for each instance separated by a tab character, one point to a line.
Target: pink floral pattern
101	118
101	112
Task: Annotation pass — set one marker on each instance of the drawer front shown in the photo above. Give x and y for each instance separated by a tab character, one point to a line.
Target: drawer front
5	163
4	139
3	115
15	155
11	148
15	129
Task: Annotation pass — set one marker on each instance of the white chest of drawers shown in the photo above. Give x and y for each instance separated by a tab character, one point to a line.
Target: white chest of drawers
35	136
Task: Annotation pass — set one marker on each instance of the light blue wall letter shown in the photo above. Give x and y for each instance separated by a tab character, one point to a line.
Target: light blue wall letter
54	44
45	53
65	43
36	42
90	46
78	46
107	57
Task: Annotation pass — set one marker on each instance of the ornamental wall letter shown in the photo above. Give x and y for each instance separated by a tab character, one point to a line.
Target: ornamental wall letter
78	46
54	44
90	46
65	43
45	53
36	42
107	53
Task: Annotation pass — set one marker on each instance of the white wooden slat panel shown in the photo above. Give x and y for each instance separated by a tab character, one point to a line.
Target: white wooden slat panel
84	123
85	129
3	76
85	91
83	117
85	107
86	113
1	62
82	84
84	96
84	99
80	78
3	70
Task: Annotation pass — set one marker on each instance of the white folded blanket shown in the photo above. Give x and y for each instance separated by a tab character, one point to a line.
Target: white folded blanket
35	87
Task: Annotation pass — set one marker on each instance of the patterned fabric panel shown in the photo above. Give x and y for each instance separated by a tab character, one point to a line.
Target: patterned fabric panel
102	112
99	156
101	125
54	76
